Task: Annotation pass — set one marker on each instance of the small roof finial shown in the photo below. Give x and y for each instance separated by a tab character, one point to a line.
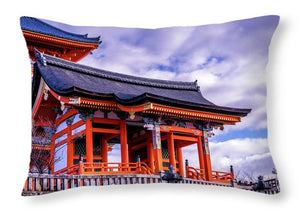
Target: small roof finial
40	57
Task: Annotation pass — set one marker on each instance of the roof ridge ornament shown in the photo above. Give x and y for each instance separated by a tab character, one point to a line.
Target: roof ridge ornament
40	57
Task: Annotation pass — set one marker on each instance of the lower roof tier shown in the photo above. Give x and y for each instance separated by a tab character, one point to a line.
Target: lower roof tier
70	81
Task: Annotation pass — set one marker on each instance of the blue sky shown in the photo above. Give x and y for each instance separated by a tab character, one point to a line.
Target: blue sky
228	60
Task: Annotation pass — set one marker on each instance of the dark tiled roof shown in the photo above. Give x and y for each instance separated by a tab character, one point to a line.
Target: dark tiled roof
71	79
38	26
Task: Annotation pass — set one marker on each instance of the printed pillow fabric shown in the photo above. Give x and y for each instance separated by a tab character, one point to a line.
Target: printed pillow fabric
138	106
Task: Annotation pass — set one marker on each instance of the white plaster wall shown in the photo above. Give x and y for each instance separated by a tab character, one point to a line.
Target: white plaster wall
61	138
61	126
60	156
78	129
76	119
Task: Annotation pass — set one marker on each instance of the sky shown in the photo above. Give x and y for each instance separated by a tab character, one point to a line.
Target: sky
228	61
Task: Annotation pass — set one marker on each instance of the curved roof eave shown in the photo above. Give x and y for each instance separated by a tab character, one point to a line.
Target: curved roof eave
37	26
122	88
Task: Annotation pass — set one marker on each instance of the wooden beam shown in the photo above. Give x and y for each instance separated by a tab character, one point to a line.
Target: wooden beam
60	133
139	138
105	130
109	136
184	144
185	138
106	121
65	116
138	146
195	114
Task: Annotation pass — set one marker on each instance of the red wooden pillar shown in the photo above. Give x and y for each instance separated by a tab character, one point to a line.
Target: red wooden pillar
150	153
89	141
104	149
200	153
69	147
158	160
206	157
52	150
130	155
123	142
171	150
156	141
180	160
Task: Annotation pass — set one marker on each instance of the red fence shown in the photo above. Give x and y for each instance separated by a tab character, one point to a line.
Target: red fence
195	173
107	168
223	177
217	176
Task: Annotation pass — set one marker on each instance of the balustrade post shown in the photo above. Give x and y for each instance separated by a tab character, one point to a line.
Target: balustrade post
72	183
138	165
80	165
37	184
45	183
187	168
26	185
30	187
232	176
58	184
66	183
52	184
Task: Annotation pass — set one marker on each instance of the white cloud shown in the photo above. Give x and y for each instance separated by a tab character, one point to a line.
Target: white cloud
228	60
114	156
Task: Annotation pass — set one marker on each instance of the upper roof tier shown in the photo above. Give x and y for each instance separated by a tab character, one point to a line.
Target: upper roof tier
38	26
71	79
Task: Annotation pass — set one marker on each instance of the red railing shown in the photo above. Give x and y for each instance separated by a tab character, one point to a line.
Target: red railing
224	177
107	168
73	170
195	173
216	176
115	168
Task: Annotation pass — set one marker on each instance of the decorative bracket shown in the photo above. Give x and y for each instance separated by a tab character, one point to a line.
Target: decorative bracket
70	120
84	113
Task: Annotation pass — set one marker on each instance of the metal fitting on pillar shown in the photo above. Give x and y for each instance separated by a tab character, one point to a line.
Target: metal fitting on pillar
138	158
186	162
80	157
